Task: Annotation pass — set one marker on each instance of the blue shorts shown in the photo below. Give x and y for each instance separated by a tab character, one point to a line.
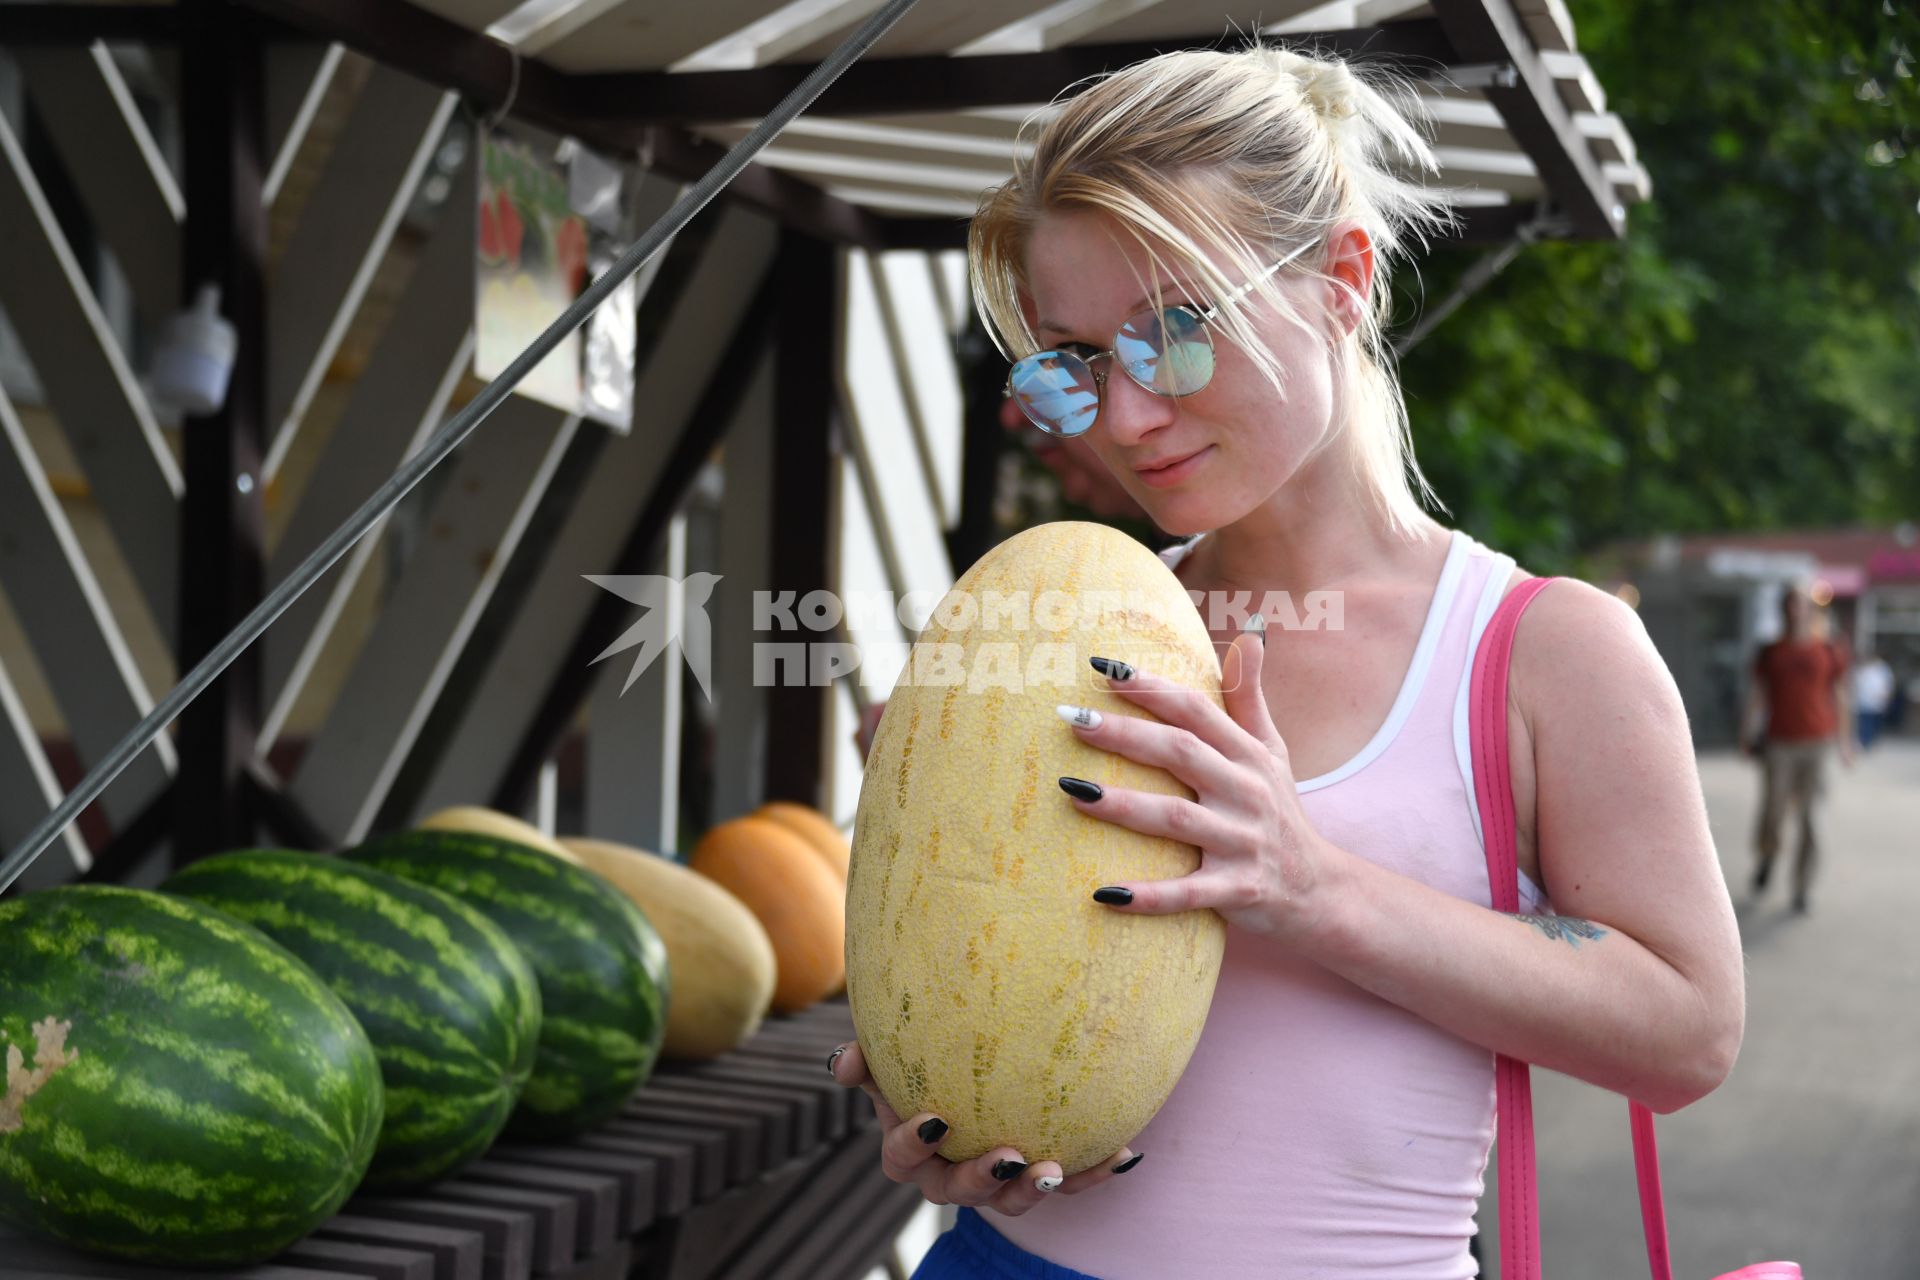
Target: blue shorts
972	1250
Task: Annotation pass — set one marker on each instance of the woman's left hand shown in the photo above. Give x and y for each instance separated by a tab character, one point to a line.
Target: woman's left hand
1261	862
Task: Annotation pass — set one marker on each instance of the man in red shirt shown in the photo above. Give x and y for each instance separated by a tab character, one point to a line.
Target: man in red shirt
1799	692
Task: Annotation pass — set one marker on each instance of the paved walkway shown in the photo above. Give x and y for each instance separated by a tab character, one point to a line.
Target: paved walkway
1811	1151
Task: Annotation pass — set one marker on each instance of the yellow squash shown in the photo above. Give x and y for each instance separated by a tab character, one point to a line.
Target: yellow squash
482	821
717	951
986	984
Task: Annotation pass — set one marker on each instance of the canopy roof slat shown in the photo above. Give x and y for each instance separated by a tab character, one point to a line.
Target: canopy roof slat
914	131
937	81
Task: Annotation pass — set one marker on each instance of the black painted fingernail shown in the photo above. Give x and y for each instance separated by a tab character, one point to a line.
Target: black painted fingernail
833	1058
1081	789
1008	1170
1113	896
933	1131
1112	668
1127	1164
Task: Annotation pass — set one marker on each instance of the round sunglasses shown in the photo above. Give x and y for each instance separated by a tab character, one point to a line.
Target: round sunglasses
1169	352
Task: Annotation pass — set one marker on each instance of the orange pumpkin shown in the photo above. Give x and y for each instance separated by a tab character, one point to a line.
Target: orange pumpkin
796	897
815	828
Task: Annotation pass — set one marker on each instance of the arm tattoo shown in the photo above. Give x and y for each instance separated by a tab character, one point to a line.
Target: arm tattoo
1567	928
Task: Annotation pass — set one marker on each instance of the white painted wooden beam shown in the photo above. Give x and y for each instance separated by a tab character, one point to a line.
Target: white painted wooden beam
860	573
28	792
846	770
883	641
1472	123
342	235
671	380
89	385
1607	135
1631	182
878	427
398	400
1055	25
633	742
833	136
788	28
498	477
116	165
535	25
1549	23
1579	87
298	77
916	202
90	671
967	181
923	359
949	270
1508	171
1371	13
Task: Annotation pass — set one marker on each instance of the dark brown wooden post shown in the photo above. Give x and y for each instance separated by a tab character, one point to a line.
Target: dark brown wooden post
220	515
803	474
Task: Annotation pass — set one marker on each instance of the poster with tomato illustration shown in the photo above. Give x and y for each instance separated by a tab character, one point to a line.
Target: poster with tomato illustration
532	254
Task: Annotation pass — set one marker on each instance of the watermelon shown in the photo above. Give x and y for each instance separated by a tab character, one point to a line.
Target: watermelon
602	968
180	1088
451	1005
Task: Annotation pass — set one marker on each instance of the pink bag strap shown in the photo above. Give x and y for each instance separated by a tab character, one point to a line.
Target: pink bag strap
1493	789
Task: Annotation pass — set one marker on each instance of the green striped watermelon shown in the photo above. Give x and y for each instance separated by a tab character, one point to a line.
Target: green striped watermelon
180	1088
602	968
451	1005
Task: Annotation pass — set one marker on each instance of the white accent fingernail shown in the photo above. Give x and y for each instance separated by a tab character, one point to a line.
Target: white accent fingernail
1046	1184
1082	717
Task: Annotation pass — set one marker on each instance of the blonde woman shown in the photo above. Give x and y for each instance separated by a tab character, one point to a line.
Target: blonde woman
1191	269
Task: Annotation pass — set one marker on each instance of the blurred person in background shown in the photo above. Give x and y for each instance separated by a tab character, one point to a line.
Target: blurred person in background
1873	685
1797	714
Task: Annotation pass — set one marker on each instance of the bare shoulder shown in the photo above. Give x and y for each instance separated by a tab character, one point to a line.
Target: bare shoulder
1582	654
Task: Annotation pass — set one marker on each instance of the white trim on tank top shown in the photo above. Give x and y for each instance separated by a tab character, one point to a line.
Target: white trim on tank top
1410	684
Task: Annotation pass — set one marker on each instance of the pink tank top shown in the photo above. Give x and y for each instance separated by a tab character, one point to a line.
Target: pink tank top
1319	1130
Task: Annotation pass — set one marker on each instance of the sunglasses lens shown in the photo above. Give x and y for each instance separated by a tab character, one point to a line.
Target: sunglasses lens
1169	352
1056	390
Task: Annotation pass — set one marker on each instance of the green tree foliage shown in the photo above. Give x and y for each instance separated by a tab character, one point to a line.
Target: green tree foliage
1749	356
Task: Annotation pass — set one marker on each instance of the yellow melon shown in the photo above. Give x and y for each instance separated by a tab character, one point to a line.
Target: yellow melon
718	952
986	984
501	826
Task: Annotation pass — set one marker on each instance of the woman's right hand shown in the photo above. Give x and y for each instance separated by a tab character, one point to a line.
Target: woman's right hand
1001	1179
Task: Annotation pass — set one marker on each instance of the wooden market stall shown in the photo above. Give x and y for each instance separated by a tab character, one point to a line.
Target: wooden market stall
807	417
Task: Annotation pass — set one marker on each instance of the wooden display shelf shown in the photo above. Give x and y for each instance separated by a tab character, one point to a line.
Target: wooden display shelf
756	1166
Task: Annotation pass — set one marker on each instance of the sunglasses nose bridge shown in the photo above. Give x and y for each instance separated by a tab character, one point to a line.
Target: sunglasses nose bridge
1131	410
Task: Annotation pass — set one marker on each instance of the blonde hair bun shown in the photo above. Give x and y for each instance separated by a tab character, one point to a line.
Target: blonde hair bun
1327	84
